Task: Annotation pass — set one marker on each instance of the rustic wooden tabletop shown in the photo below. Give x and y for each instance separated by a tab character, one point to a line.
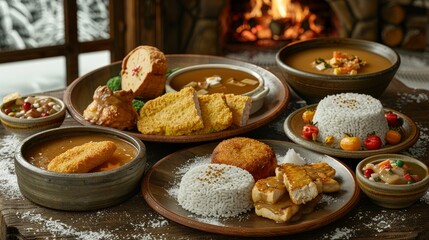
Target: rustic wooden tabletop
134	219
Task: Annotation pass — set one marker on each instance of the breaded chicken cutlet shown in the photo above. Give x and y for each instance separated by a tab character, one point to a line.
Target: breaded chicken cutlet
173	114
82	158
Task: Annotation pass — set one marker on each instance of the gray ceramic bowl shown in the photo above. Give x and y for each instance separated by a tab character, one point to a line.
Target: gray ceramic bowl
392	196
26	127
312	87
257	95
79	191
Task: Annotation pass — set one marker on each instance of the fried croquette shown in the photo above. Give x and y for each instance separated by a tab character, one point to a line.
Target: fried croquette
240	107
82	158
252	155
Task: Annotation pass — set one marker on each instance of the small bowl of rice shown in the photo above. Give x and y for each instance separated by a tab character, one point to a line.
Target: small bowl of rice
324	66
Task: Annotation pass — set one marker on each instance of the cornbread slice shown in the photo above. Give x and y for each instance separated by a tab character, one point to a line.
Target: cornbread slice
300	186
215	113
240	107
268	190
171	114
82	158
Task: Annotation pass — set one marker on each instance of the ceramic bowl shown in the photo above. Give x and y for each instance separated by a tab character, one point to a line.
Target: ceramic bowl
312	87
26	127
257	95
79	191
389	195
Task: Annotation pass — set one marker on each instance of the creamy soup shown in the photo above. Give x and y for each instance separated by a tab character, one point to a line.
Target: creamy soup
216	80
303	60
41	154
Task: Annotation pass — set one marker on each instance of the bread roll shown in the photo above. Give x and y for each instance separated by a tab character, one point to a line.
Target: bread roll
143	72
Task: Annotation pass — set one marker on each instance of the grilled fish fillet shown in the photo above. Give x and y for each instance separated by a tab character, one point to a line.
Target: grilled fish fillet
175	113
240	107
268	190
83	158
282	211
300	186
323	174
216	115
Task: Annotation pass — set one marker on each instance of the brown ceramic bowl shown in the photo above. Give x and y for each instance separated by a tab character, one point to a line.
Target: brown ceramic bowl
312	86
79	191
389	195
25	127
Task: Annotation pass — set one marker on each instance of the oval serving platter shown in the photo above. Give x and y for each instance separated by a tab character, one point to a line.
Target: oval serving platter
159	183
78	96
294	123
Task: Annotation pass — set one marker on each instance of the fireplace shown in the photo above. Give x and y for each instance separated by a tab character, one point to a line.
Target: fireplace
268	23
245	28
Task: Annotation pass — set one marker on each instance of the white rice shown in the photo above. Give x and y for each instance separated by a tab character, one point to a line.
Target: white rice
216	190
292	157
350	113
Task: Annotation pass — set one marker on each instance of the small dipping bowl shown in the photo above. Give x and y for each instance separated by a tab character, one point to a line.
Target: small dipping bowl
258	94
24	127
79	191
391	195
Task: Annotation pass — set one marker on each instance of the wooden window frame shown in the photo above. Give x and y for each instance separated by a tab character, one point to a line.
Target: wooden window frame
72	47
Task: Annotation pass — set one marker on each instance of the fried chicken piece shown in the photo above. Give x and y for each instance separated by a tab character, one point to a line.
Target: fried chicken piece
112	109
82	158
174	114
215	113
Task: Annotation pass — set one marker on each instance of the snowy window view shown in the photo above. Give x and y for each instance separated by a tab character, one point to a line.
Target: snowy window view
40	23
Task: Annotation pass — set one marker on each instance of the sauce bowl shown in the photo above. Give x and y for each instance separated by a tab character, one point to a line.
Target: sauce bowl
257	94
79	191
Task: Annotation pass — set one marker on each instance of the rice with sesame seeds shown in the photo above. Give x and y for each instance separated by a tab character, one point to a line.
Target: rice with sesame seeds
216	190
350	113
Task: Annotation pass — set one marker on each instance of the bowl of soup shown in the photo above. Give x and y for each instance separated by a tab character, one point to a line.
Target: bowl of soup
220	78
79	168
393	180
27	115
325	66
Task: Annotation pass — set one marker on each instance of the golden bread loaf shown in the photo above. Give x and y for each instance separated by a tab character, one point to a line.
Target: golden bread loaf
144	72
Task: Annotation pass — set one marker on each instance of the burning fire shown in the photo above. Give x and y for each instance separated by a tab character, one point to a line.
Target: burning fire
277	20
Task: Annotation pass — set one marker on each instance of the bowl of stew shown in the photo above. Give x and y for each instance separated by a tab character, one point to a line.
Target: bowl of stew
55	168
325	66
393	180
220	78
27	115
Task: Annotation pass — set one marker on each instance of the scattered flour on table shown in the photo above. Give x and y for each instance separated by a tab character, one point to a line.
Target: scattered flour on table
8	182
378	222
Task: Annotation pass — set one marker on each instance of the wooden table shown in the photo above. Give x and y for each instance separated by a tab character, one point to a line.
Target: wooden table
134	219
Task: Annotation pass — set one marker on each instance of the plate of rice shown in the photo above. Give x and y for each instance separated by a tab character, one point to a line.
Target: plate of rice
294	124
162	184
